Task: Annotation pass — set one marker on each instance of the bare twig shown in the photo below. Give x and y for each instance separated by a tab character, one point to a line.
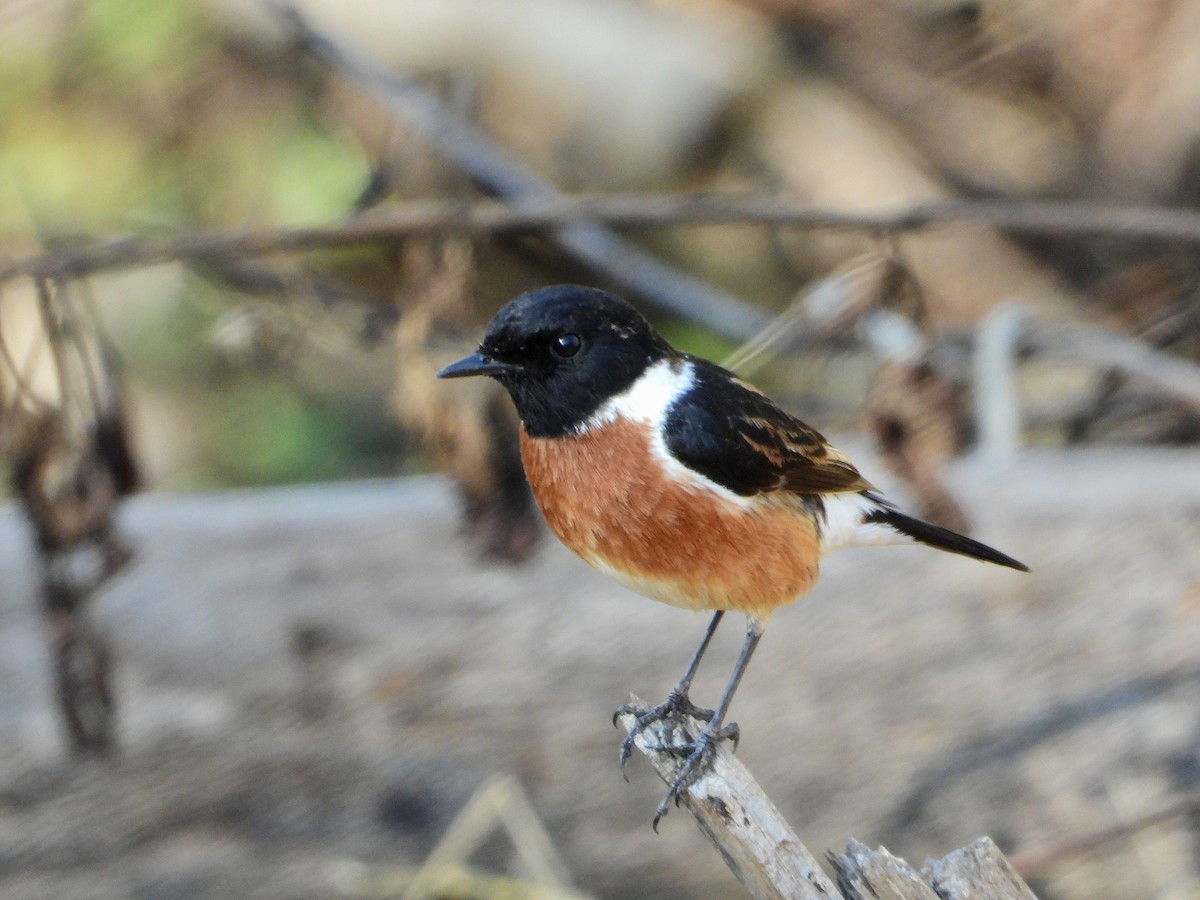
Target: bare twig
531	215
500	174
71	465
500	801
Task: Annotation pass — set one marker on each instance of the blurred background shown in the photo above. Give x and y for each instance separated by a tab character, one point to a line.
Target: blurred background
276	607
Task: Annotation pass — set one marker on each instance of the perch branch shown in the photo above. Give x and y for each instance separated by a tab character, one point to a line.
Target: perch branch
769	860
741	821
976	871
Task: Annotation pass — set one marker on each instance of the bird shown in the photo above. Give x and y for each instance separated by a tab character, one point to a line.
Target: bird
679	480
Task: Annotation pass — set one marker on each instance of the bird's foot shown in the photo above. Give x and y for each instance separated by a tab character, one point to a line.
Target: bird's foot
699	760
672	712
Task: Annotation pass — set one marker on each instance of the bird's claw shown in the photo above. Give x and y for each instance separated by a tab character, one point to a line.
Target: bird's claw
673	710
699	760
623	755
697	752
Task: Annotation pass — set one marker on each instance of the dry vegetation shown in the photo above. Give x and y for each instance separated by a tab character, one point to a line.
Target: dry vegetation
949	226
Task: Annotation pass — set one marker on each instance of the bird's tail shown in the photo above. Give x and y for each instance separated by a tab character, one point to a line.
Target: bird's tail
942	538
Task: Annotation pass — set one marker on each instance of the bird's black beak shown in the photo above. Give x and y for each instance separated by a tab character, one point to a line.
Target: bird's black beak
475	364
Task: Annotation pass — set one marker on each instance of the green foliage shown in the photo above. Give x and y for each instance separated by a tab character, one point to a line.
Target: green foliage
79	132
135	115
695	340
314	178
169	342
138	42
264	432
69	174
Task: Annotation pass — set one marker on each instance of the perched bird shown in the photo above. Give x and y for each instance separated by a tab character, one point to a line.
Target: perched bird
677	478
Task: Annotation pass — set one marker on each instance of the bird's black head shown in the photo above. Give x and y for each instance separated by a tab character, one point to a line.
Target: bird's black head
561	352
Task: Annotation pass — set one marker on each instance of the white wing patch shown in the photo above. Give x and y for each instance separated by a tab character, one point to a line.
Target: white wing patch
844	525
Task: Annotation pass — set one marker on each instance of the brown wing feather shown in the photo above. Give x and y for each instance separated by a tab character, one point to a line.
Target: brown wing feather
732	434
806	463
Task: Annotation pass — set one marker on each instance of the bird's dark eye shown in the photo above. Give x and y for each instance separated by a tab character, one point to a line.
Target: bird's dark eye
566	345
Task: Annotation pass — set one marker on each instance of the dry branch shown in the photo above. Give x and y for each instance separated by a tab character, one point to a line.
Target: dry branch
865	874
500	801
770	861
533	215
500	174
978	870
743	824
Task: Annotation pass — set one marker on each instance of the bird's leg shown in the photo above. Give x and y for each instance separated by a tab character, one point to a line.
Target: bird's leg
677	704
701	749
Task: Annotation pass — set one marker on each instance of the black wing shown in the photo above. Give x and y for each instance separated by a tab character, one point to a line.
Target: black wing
730	433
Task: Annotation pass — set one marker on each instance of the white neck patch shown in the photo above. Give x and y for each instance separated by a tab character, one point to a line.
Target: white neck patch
648	398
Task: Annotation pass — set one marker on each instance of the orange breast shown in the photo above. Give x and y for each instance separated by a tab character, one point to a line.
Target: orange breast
605	498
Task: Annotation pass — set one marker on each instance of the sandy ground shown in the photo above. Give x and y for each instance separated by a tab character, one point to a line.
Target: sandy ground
915	699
